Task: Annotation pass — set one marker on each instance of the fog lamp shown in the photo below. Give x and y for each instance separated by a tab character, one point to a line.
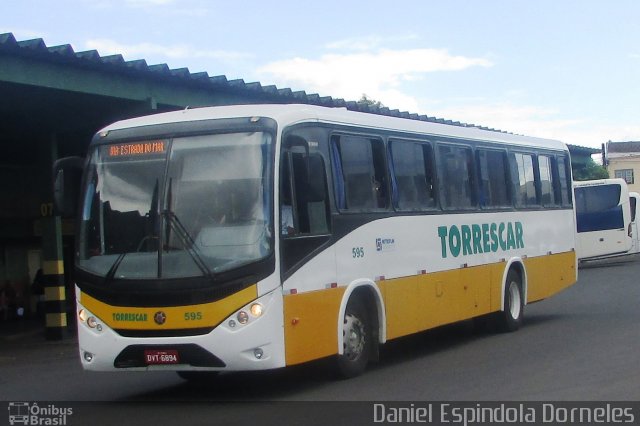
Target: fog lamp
258	353
88	356
82	315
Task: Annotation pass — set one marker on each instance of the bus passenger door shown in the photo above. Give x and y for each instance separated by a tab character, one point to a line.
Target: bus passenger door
307	261
304	206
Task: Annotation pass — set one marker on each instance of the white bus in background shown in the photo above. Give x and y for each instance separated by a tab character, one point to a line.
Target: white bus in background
603	218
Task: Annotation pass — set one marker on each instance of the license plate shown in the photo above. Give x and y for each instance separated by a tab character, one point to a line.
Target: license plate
159	356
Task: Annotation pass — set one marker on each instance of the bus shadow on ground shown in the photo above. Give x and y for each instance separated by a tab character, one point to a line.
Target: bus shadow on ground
288	382
245	386
622	260
448	337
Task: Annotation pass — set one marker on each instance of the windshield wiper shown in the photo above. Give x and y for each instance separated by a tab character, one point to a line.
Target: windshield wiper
112	271
187	241
183	234
185	238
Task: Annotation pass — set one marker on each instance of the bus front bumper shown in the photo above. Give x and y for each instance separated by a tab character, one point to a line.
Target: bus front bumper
256	344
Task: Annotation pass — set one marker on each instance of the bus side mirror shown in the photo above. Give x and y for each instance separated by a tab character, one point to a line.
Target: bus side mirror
67	173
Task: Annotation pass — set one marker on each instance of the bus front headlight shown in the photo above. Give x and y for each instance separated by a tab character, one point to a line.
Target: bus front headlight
88	319
256	310
247	314
242	317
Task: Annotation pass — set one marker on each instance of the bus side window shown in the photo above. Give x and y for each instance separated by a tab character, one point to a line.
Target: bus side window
494	178
412	175
303	192
523	173
457	176
565	192
547	184
361	181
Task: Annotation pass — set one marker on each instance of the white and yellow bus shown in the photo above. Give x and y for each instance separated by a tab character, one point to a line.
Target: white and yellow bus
262	236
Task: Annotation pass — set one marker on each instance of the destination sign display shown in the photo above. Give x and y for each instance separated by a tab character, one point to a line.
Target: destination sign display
133	149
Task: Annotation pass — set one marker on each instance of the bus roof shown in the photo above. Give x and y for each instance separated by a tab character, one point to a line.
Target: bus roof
289	114
600	182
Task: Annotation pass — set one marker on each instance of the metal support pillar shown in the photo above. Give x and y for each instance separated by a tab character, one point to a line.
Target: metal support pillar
53	271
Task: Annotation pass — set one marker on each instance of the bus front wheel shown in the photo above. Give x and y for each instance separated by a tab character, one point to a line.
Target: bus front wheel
510	319
357	340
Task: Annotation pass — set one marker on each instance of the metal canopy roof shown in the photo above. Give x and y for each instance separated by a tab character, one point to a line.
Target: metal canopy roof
115	64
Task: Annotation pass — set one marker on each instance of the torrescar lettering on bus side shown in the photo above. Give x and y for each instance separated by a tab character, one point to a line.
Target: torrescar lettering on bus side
466	240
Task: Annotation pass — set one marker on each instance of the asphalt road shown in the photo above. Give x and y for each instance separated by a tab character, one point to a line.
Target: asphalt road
581	345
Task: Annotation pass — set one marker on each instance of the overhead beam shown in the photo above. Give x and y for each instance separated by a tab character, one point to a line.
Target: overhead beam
117	84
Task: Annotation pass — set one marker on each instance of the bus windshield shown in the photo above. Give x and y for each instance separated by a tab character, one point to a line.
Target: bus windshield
173	208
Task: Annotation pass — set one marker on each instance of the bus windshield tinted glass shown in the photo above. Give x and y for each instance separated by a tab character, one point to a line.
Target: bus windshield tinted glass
177	208
598	208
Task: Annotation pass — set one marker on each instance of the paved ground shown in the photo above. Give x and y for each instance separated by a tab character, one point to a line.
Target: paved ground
581	345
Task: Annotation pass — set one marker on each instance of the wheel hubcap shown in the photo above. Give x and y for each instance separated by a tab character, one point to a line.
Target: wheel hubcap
514	300
354	337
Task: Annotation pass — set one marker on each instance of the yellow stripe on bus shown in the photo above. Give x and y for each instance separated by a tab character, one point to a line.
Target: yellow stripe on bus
419	302
550	274
311	324
425	301
175	317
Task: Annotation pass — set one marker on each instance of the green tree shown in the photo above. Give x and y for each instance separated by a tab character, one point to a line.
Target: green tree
368	101
589	171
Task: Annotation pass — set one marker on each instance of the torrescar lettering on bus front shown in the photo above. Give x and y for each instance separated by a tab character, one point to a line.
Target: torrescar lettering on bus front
129	316
480	238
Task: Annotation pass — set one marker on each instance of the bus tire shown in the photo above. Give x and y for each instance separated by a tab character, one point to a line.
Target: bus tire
510	319
357	340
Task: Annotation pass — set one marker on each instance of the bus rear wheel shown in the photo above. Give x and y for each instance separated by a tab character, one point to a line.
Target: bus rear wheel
357	340
510	319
